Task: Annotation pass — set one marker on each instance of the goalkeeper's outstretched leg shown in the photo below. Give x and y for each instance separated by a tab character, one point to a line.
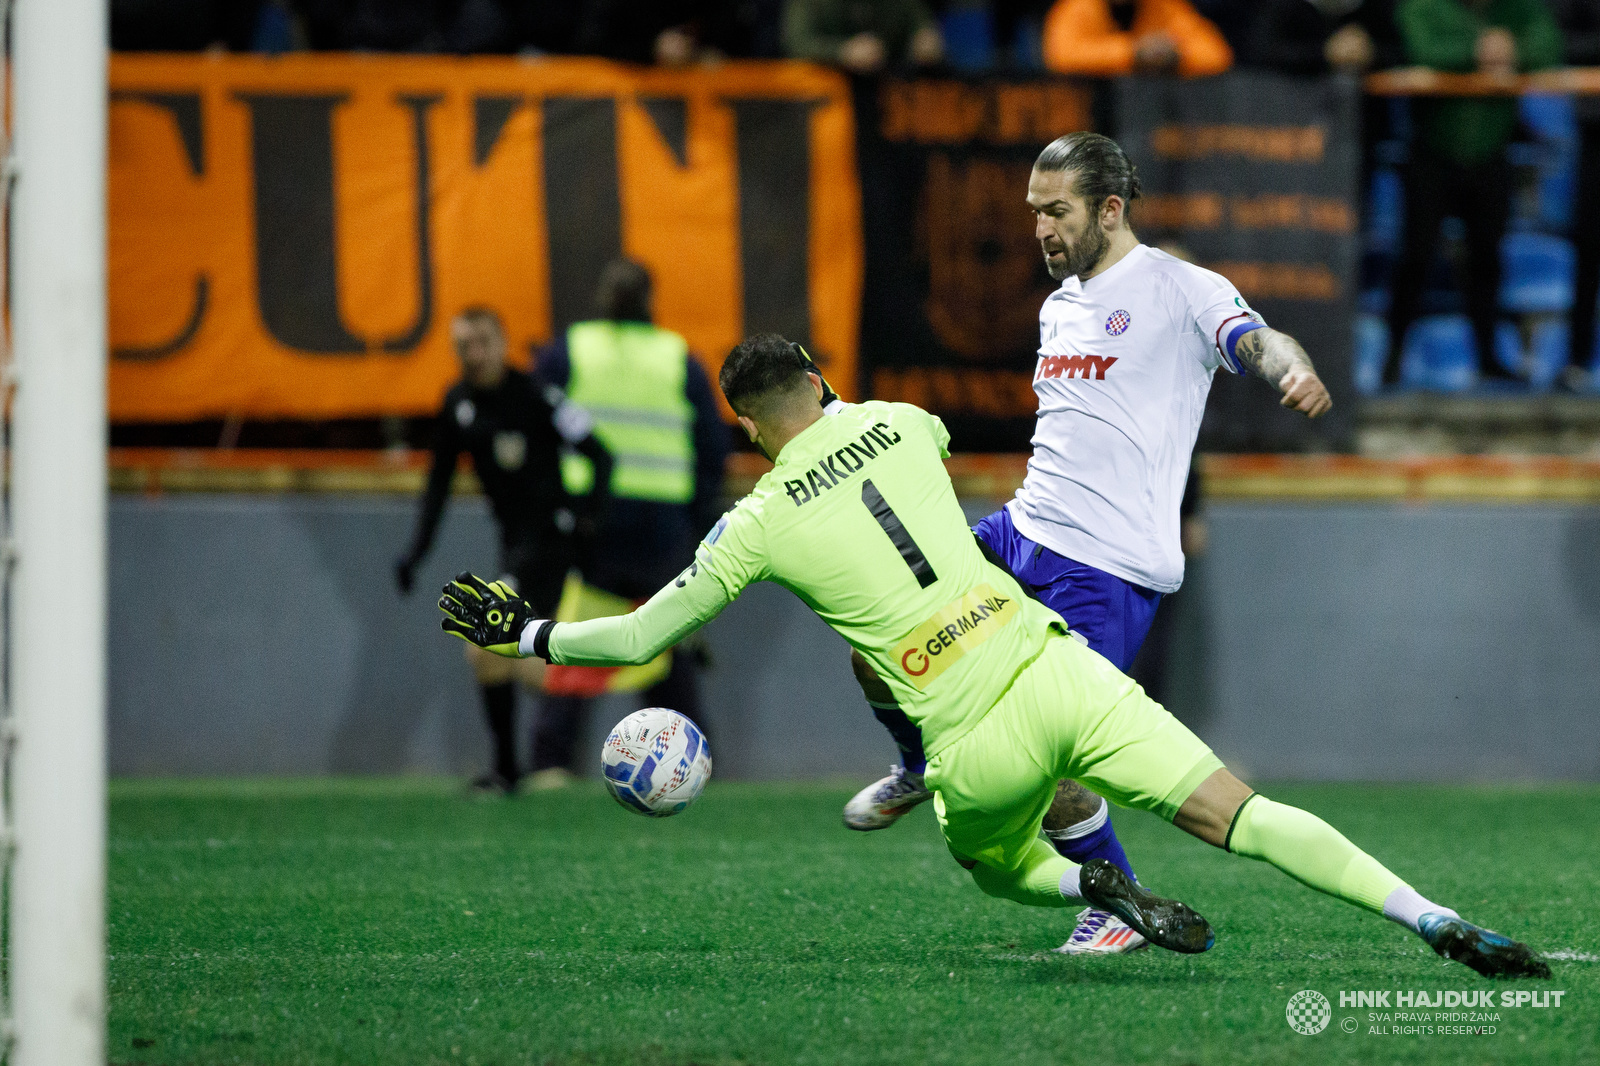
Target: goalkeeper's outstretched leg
1071	714
1225	812
1045	879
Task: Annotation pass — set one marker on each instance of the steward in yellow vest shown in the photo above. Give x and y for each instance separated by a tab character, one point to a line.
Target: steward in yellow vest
516	431
654	410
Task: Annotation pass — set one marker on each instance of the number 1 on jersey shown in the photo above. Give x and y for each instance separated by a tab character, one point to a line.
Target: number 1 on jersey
898	536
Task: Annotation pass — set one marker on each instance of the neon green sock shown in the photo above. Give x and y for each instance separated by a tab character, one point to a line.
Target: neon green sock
1311	851
1036	883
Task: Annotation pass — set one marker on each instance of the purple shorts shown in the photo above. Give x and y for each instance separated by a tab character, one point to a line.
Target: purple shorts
1112	614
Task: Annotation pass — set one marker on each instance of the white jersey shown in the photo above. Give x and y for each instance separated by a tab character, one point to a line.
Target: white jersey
1125	364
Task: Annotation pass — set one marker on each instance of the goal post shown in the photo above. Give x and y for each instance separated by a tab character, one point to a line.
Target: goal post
56	627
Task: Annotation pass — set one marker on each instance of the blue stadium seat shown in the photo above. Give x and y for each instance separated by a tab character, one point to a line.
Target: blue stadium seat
1027	45
1552	340
1385	207
1440	354
968	38
1547	350
1538	273
1372	348
274	30
1508	345
1553	120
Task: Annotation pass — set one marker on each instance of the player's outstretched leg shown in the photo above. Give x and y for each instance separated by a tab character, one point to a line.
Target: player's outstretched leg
882	803
1078	826
1223	811
1045	879
1166	922
1490	953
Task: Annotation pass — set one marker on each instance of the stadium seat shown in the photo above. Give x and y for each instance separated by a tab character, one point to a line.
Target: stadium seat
968	38
1537	273
1027	45
1547	350
1372	348
274	31
1440	354
1402	131
1553	120
1552	340
1385	206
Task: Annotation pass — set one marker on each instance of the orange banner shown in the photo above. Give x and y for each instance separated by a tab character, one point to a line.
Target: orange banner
289	237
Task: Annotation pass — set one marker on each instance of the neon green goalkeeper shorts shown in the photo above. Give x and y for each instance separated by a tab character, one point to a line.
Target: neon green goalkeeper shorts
1069	714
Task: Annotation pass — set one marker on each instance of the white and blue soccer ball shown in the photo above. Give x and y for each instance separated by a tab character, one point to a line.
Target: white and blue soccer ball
655	762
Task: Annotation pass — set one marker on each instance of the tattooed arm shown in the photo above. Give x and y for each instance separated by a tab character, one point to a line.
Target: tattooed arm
1279	360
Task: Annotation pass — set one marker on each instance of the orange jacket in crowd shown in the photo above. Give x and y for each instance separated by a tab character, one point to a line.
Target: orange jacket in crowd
1081	37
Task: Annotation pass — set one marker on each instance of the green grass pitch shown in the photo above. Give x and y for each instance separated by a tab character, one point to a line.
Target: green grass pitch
394	922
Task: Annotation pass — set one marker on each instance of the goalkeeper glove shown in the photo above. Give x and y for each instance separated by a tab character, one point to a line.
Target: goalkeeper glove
491	616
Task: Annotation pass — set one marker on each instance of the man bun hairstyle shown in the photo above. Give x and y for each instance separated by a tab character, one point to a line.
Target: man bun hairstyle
1103	169
762	372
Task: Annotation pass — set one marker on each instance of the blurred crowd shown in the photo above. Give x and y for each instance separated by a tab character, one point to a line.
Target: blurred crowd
1481	215
1090	37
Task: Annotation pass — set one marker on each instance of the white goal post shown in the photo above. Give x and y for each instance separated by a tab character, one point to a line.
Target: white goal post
57	617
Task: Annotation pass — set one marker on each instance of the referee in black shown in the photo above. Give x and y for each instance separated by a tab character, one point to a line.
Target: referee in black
515	429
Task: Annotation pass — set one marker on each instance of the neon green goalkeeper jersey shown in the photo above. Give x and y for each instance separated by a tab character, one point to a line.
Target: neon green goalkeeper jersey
858	518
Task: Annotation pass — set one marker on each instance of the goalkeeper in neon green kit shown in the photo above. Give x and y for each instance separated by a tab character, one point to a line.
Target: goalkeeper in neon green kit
858	518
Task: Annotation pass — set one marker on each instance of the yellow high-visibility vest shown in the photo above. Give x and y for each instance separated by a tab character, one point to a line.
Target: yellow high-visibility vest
630	377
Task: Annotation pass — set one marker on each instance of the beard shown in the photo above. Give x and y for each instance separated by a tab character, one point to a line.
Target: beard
1087	248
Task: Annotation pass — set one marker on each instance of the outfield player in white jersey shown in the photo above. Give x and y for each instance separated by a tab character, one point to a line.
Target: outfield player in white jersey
1127	348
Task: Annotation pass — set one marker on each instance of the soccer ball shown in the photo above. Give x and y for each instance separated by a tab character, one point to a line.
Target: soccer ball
655	762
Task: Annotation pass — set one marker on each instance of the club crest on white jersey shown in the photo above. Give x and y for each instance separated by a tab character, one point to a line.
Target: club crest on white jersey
1119	409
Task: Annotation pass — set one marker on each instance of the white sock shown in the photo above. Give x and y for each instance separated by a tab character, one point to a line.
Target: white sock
1405	906
1069	884
1084	828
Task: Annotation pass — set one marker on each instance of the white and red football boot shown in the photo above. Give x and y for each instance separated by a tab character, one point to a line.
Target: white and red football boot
882	803
1102	933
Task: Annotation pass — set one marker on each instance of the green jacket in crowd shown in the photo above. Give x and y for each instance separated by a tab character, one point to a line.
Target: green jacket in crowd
1443	34
815	29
